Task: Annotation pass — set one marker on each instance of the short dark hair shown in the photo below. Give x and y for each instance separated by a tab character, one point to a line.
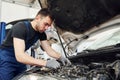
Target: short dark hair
46	12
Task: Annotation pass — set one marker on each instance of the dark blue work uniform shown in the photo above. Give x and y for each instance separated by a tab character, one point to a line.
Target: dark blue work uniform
9	67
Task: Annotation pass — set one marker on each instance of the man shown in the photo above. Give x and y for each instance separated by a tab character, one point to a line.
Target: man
22	35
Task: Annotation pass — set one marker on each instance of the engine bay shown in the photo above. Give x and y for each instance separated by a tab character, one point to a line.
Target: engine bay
94	71
82	68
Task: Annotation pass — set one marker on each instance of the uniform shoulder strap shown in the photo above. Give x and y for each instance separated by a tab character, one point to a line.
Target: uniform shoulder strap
27	25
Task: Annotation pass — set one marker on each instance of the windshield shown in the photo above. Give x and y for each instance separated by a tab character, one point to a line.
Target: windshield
104	38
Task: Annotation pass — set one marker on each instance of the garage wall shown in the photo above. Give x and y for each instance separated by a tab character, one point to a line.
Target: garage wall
11	11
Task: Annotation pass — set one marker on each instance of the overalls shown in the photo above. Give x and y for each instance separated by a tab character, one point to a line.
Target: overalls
9	67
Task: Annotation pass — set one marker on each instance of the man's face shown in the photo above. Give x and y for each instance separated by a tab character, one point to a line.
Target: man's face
43	23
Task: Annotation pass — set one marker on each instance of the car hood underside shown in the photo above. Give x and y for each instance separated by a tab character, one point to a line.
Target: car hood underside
78	16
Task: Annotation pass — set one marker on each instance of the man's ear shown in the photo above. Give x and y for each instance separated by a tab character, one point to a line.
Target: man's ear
41	17
38	17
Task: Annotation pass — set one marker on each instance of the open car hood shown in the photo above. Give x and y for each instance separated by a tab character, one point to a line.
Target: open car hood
78	16
98	60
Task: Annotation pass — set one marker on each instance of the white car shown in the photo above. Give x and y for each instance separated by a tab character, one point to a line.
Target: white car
94	46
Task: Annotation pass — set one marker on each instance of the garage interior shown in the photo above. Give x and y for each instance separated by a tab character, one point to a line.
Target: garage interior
85	32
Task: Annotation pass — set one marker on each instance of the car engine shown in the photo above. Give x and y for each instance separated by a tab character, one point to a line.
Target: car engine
100	64
94	71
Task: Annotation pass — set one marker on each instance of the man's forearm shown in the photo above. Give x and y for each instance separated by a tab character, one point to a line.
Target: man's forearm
30	60
51	52
54	54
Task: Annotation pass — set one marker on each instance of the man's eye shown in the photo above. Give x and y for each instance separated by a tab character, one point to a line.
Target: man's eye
47	24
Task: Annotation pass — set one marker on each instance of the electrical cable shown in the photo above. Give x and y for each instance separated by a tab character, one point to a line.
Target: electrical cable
76	39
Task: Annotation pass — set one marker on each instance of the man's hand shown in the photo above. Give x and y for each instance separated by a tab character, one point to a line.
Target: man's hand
64	60
52	64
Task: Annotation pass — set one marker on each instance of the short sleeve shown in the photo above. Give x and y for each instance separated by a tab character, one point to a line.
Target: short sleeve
43	36
19	30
